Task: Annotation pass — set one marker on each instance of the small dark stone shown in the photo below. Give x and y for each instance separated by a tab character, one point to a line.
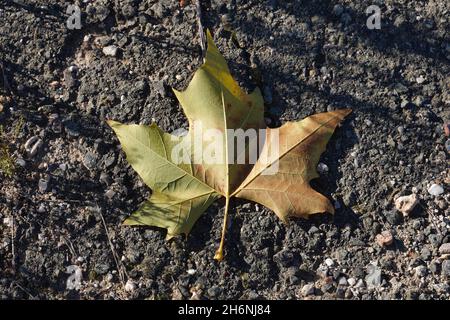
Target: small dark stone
72	128
44	183
411	295
338	9
128	11
143	19
252	295
105	179
101	268
336	274
367	223
141	87
183	280
435	267
160	88
214	291
134	256
159	10
90	161
55	125
425	254
100	147
102	12
392	216
435	240
109	160
69	78
340	293
327	287
313	230
346	18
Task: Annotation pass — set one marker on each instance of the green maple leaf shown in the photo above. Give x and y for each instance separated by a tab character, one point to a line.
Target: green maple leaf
182	191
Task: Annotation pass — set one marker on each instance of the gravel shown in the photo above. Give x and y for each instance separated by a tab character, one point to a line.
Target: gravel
307	57
435	190
373	278
130	286
444	248
329	262
393	217
351	282
406	204
308	290
110	50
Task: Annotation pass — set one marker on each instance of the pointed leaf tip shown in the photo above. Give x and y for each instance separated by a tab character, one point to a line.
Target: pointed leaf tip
130	222
210	40
113	123
208	34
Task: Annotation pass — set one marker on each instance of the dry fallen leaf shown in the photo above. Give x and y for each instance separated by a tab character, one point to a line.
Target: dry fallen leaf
183	191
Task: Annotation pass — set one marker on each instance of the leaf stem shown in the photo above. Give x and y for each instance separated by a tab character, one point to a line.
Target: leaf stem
219	253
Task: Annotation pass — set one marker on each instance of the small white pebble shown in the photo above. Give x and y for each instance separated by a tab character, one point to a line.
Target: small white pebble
322	168
110	194
420	79
73	68
444	248
342	281
8	222
108	277
351	281
360	284
435	190
191	271
406	204
41	208
308	289
329	262
130	286
110	51
73	282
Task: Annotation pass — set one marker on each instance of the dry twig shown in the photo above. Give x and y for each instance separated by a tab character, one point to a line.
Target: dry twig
201	30
120	268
